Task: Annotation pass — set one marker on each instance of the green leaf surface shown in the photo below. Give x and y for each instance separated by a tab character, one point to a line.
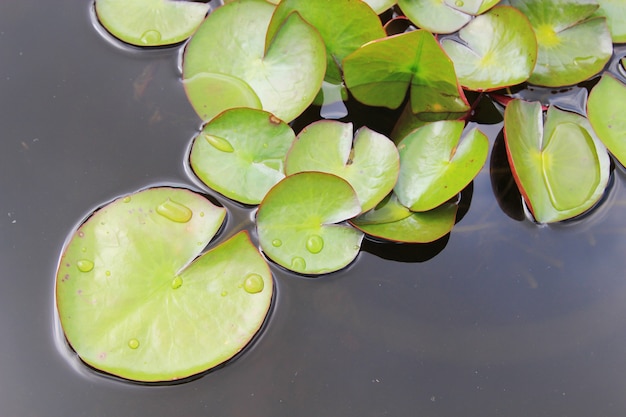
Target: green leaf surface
498	49
392	221
241	153
561	168
606	109
135	301
436	16
380	6
572	46
370	164
344	25
295	223
435	164
615	13
381	72
472	7
150	22
231	41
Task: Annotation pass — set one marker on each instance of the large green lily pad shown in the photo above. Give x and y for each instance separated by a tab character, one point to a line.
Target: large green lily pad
392	221
296	223
499	49
370	164
344	25
381	72
150	22
134	301
572	46
286	77
241	153
606	109
435	164
562	168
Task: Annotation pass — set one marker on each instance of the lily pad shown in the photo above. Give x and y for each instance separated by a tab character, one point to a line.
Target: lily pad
134	301
344	25
392	221
572	45
561	168
615	13
286	77
211	93
241	153
435	164
296	223
606	109
370	164
435	16
150	22
498	49
381	72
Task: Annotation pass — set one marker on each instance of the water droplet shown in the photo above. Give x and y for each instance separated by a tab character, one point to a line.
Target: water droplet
84	265
126	199
177	282
133	343
253	283
81	234
150	37
83	249
314	244
277	242
107	273
298	264
174	211
202	214
459	3
224	293
219	143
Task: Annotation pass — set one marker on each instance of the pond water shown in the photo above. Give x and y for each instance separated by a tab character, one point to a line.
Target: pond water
503	317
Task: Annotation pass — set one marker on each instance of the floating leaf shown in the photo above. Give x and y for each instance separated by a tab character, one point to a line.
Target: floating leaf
391	220
435	164
379	74
370	164
499	50
572	46
606	109
150	22
344	25
134	303
561	168
210	94
295	223
231	41
241	153
615	13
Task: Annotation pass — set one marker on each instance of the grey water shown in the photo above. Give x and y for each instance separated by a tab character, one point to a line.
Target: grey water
503	317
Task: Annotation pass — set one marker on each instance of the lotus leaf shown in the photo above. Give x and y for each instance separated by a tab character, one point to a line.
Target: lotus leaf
370	164
561	168
572	46
286	77
606	109
379	74
296	223
150	22
435	164
133	301
241	153
499	49
344	25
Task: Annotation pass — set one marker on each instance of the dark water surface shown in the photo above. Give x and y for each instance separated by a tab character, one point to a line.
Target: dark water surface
505	318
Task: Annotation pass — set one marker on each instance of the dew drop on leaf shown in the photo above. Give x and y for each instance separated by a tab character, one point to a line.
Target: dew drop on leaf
314	244
218	143
298	264
253	284
133	343
84	265
174	211
277	242
126	199
150	37
177	282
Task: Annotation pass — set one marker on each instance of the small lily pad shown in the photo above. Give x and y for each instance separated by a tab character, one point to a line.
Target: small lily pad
344	25
606	109
499	49
134	301
150	22
286	77
572	45
241	153
381	72
435	164
296	223
370	164
562	168
392	221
